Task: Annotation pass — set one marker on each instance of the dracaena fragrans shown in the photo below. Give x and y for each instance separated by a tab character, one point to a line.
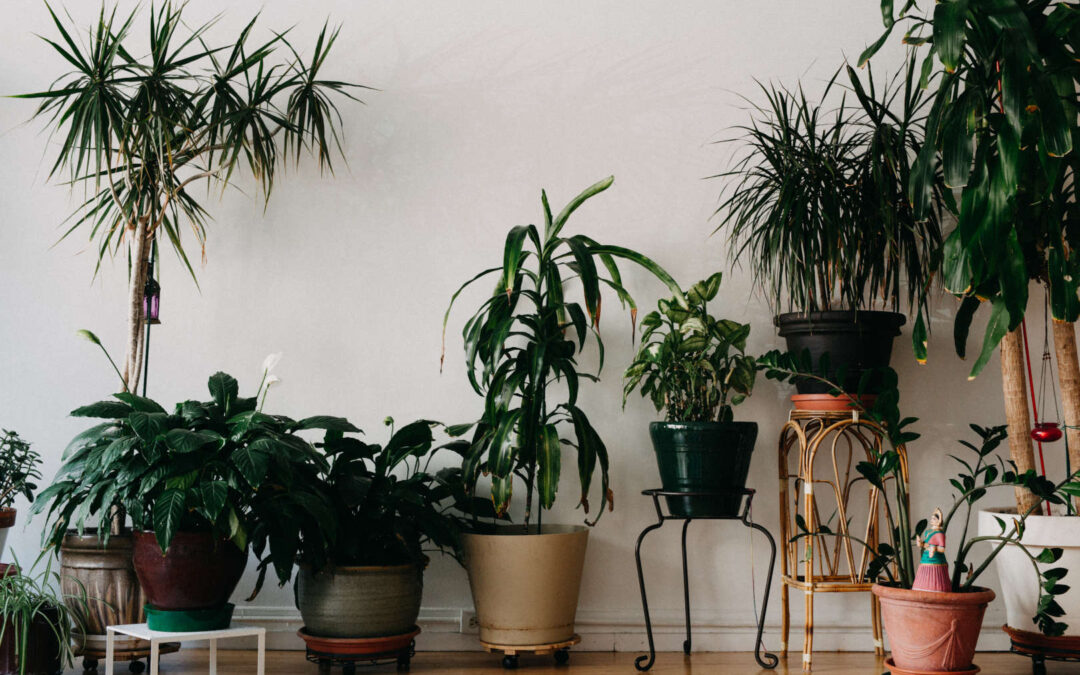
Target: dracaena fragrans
217	466
691	364
141	130
528	335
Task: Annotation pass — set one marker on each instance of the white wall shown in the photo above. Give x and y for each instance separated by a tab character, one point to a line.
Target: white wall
481	104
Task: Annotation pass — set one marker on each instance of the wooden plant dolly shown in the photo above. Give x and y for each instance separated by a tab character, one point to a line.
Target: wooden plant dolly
510	652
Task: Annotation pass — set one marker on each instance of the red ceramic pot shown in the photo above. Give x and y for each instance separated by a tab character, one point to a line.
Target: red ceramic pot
931	632
198	571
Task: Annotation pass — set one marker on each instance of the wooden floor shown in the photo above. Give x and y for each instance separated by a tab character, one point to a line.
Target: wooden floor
194	662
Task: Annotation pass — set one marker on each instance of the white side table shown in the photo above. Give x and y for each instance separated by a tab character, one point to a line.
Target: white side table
157	637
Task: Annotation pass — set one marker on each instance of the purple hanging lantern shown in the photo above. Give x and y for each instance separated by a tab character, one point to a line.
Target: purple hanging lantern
152	300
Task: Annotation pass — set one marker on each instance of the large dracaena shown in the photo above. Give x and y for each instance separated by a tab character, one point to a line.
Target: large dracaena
1003	123
139	131
526	337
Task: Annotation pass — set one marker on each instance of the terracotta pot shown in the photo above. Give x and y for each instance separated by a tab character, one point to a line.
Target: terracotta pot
359	602
831	403
112	589
932	632
525	586
43	649
198	571
7	520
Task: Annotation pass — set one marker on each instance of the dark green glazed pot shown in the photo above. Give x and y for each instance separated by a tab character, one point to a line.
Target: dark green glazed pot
699	456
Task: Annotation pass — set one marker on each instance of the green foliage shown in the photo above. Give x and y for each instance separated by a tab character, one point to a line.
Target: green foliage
894	559
216	466
1003	124
383	506
525	337
18	468
31	600
137	127
691	364
817	204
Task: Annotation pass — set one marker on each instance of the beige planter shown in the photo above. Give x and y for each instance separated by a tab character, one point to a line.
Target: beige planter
107	576
359	602
525	586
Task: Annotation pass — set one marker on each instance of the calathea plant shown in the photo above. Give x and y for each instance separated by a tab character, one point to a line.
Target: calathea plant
690	363
526	336
893	560
214	465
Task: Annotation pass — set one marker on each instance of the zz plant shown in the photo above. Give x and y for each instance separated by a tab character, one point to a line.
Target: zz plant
690	363
18	468
214	465
525	337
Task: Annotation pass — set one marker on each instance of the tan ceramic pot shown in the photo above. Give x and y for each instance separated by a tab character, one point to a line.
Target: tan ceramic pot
931	632
525	586
360	602
112	589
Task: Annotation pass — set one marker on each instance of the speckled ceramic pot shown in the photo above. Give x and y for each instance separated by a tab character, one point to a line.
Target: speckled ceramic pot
359	602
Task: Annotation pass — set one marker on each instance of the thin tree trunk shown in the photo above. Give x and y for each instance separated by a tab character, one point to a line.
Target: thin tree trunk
139	257
1016	413
1068	368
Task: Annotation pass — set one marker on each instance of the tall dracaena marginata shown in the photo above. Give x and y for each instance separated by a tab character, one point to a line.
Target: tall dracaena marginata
1003	123
138	131
524	339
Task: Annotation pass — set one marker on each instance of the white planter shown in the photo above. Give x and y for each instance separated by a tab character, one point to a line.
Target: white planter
1019	583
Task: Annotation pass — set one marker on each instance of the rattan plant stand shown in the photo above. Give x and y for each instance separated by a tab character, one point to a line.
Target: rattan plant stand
818	455
646	661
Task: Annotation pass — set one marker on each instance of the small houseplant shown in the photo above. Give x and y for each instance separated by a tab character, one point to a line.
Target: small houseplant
18	470
362	566
817	204
37	621
194	482
526	336
694	367
936	631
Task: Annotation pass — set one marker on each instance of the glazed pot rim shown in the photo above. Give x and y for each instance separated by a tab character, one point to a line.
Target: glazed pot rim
554	530
702	425
839	315
978	595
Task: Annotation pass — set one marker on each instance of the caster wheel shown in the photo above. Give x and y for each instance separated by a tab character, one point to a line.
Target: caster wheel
1038	666
562	657
324	667
89	663
136	666
403	663
510	661
348	669
686	647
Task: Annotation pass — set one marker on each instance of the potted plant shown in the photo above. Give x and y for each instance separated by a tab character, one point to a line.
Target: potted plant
694	367
37	623
18	470
193	483
361	565
524	337
935	631
1003	124
817	207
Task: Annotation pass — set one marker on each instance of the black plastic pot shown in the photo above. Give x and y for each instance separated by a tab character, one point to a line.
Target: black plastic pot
854	341
42	649
700	456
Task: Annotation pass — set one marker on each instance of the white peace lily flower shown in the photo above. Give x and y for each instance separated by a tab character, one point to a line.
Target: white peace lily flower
272	380
271	361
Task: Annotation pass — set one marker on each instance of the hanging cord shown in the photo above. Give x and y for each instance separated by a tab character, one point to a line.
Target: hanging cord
1034	407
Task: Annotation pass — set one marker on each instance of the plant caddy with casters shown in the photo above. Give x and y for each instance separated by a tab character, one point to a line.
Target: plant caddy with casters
524	338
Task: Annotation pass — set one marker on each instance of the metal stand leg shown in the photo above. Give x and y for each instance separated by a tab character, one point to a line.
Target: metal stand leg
110	650
687	643
645	661
765	660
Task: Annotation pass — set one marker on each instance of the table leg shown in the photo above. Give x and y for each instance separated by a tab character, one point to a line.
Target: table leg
686	645
213	657
110	639
155	653
262	653
645	661
765	660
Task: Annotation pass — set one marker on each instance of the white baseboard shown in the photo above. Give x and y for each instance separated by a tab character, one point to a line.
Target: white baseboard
447	629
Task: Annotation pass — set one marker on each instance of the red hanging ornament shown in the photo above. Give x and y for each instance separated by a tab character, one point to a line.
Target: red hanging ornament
1046	432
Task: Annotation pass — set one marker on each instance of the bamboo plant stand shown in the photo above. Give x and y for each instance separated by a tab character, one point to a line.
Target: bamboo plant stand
818	455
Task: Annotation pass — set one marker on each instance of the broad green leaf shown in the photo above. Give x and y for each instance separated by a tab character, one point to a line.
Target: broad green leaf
213	494
148	426
168	512
107	409
996	329
327	422
950	21
548	458
592	190
182	440
962	324
223	389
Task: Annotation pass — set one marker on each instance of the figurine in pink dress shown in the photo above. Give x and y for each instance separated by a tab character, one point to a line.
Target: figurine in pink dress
933	573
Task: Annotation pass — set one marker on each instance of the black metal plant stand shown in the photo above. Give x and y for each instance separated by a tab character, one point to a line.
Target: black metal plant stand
645	661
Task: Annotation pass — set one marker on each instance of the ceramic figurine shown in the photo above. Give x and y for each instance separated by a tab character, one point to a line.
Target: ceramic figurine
933	573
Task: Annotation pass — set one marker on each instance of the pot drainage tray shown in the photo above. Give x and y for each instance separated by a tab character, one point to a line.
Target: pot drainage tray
189	620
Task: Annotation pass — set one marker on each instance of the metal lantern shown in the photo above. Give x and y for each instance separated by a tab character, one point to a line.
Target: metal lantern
152	300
